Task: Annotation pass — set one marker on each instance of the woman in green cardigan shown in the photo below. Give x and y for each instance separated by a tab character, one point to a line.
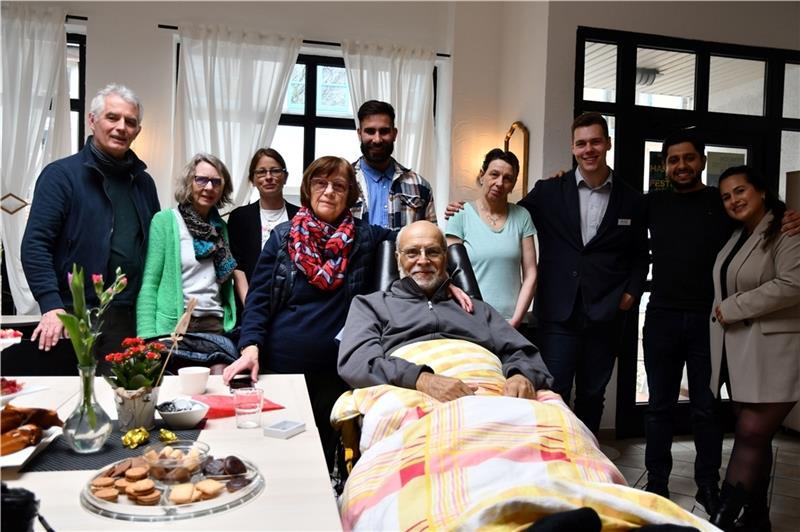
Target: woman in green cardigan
188	256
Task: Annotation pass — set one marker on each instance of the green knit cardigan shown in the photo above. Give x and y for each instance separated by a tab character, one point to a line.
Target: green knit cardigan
160	301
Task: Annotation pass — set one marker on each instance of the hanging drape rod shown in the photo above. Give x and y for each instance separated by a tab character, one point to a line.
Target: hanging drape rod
305	41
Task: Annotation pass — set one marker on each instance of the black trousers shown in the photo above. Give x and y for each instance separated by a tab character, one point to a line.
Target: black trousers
585	351
673	338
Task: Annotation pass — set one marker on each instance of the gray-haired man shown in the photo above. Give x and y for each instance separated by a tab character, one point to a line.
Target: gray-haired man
94	209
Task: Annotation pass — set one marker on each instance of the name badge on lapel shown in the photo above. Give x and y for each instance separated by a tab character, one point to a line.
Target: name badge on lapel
624	221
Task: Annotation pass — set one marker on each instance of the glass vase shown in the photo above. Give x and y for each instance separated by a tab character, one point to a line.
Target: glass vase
88	426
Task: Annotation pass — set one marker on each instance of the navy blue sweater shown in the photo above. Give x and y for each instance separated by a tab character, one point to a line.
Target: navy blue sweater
71	220
294	323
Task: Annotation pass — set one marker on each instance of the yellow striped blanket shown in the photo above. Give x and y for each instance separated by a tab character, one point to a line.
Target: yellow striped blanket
480	462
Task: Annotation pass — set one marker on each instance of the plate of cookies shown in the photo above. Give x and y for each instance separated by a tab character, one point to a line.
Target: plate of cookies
171	482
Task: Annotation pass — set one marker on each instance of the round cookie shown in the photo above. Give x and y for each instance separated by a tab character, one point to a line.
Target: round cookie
102	482
130	492
107	494
121	484
136	473
143	487
149	499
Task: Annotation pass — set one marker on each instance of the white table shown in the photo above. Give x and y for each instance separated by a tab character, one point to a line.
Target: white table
297	496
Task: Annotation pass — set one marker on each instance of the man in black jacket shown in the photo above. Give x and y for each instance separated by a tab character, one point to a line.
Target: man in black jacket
93	209
592	267
418	307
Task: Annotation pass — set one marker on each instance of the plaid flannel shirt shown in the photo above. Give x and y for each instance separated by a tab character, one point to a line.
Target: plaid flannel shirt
410	197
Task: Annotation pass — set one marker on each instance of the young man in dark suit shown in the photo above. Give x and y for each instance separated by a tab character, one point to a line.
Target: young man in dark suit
592	267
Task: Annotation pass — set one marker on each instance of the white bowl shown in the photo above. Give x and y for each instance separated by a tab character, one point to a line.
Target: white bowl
185	419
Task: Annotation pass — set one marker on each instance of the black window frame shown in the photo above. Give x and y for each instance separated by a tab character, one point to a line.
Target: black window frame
625	110
79	104
763	131
309	120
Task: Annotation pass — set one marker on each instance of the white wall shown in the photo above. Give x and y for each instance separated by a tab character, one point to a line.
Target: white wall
476	70
522	80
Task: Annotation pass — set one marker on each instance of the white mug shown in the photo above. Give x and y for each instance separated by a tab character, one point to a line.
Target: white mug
193	379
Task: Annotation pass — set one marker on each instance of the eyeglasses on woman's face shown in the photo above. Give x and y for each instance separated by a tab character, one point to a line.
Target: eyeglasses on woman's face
320	185
202	181
273	172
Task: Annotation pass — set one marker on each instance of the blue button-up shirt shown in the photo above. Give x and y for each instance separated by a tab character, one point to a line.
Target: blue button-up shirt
378	185
593	204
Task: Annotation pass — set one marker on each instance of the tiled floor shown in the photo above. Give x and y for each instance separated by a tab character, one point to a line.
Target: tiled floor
784	491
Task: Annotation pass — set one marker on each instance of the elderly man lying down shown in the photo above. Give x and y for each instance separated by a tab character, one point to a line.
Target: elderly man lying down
459	429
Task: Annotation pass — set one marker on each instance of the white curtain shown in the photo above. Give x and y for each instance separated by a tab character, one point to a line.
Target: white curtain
231	86
402	77
35	117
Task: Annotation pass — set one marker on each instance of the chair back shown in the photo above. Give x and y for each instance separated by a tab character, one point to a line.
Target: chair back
458	267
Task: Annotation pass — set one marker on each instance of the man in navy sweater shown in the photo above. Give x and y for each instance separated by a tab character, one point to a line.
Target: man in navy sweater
688	226
93	209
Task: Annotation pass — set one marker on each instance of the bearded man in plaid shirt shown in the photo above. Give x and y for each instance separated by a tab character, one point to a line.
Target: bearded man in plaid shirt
391	195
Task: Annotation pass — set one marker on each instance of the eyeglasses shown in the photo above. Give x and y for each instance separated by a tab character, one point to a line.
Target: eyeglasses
320	184
274	172
202	181
432	253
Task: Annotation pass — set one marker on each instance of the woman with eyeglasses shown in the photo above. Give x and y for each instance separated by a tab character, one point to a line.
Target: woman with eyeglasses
300	290
188	256
498	236
250	226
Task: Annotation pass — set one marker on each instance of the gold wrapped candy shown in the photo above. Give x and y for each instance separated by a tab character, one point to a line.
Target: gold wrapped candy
135	437
167	435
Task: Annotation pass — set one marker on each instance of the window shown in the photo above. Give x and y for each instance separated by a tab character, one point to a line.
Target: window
791	91
736	86
600	74
317	117
664	79
76	78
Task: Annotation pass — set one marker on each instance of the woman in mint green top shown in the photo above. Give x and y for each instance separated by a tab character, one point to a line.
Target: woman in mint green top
499	239
188	256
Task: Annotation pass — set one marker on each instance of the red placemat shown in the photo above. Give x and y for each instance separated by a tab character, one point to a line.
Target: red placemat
222	405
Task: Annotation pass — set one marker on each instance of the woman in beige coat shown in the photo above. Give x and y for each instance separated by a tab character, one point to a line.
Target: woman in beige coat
755	339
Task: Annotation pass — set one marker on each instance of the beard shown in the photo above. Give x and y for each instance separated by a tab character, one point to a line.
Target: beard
686	185
427	284
377	155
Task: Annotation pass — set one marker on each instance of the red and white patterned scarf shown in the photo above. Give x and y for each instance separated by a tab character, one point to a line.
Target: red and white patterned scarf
321	250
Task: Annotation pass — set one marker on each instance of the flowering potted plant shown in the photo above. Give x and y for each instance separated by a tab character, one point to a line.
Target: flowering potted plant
88	427
137	373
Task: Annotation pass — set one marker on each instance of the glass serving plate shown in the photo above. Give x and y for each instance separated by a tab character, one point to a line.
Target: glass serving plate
127	510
